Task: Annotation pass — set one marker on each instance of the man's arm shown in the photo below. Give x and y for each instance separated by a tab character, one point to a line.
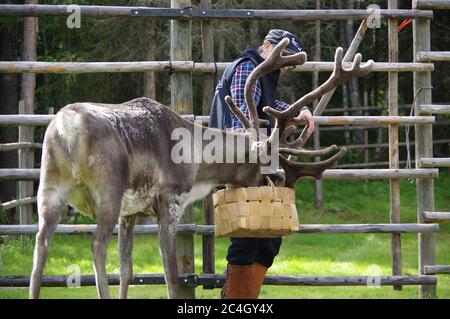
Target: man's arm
241	74
304	114
281	106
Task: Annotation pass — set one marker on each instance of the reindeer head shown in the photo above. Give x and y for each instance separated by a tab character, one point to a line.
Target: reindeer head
285	125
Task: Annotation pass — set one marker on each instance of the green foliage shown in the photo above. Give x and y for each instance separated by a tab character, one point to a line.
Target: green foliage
351	202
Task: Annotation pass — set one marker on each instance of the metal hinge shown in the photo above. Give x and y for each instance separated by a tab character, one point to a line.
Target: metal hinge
190	280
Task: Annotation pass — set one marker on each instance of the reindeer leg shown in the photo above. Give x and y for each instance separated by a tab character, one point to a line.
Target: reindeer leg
108	214
126	225
49	210
169	212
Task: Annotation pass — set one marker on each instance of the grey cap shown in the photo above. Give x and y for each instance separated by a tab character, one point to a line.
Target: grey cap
276	35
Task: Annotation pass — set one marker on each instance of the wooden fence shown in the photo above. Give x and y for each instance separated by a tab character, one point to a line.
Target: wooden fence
183	15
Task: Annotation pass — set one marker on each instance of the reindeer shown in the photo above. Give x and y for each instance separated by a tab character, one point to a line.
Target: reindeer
112	162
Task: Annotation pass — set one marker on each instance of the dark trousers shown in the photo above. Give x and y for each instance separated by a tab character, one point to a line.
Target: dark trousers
246	251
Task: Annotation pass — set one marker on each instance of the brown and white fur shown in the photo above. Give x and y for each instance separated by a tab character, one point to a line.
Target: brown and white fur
112	162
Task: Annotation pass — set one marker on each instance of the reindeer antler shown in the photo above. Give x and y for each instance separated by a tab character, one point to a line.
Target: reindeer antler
339	76
274	62
285	124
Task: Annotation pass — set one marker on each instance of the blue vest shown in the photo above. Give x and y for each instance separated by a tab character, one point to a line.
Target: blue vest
220	116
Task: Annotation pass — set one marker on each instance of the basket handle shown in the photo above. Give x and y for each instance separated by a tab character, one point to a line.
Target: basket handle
271	185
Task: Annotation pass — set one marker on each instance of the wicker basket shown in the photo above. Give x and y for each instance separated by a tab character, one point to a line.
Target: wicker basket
265	211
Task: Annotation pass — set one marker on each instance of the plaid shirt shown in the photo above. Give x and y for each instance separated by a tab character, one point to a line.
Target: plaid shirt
243	70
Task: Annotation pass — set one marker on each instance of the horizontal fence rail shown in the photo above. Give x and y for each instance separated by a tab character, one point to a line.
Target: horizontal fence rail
17	202
370	120
43	120
217	281
363	108
209	229
431	4
434	108
434	162
368	164
19	174
436	216
365	127
24	174
183	66
426	56
436	269
380	173
27	174
380	145
191	13
6	147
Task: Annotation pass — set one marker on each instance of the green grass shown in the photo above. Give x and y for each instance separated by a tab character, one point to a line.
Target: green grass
307	254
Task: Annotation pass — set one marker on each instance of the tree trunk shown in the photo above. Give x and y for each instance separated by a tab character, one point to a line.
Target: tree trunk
345	100
366	132
355	100
207	56
149	89
26	106
315	84
8	105
378	152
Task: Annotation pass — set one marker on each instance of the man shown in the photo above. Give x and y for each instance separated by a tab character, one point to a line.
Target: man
249	258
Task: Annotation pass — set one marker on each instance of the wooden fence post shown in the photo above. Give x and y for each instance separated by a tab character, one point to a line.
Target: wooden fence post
149	87
424	148
316	136
181	102
26	106
208	93
396	246
366	131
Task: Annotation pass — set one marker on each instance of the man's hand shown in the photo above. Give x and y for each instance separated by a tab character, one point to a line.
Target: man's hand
307	116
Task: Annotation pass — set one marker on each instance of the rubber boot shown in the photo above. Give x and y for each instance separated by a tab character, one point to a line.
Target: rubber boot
243	282
237	284
259	275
